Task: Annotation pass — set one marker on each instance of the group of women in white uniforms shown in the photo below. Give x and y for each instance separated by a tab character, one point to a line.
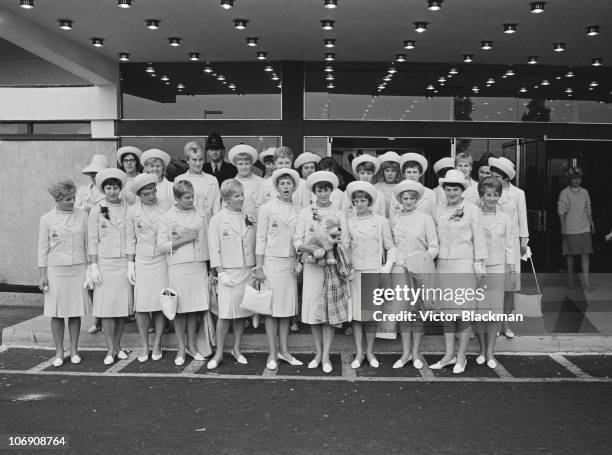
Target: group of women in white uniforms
144	233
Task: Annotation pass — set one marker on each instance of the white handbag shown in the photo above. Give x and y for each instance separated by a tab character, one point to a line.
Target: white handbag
529	305
257	297
169	300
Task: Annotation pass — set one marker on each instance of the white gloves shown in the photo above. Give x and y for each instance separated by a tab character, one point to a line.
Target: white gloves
131	273
527	254
94	274
226	280
479	268
88	284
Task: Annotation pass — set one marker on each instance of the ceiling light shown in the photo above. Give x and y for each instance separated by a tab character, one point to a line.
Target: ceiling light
329	42
537	7
124	3
523	89
330	85
596	61
252	41
329	77
65	24
330	57
26	4
392	70
220	77
180	86
152	24
420	27
152	74
382	87
330	4
387	78
280	85
532	60
490	81
268	68
558	47
174	42
167	82
149	68
475	89
486	45
409	44
569	74
453	71
468	58
124	57
97	42
208	69
510	28
327	24
194	56
545	82
275	77
569	90
592	30
164	78
240	24
231	86
227	4
262	55
434	5
442	80
329	69
400	58
430	87
509	72
593	84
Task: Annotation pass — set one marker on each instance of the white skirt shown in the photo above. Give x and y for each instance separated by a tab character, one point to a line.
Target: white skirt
494	291
279	273
456	275
355	285
151	277
190	281
114	296
230	297
66	297
312	293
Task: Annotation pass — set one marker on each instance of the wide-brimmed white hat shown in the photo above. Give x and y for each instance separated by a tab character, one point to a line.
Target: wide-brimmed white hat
321	176
454	176
267	152
389	156
361	186
155	153
443	163
408	185
128	149
110	173
98	162
365	158
242	148
140	181
278	173
414	157
306	157
504	165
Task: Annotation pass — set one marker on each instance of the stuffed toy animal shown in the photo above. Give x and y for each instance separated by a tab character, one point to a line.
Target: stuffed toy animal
323	243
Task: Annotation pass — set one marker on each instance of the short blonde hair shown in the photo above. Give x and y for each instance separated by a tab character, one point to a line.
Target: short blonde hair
464	156
152	160
61	189
181	188
243	157
230	187
192	146
283	152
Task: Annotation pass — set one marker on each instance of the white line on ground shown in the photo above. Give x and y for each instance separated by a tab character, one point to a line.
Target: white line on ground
570	366
194	366
347	371
425	372
41	366
121	364
502	372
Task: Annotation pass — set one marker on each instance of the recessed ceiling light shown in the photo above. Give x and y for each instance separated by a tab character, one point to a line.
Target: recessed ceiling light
420	27
545	82
124	3
392	70
592	30
231	86
532	60
252	41
558	47
26	4
124	57
387	78
327	24
468	58
329	77
268	68
65	24
430	87
194	56
490	81
330	4
382	87
453	71
152	74
509	72
329	69
569	90
240	24
208	69
537	7
409	44
174	42
280	85
227	4
593	84
330	57
330	85
275	77
97	42
149	68
510	28
596	61
523	89
152	24
400	58
180	86
486	45
164	78
442	80
434	5
262	55
569	74
220	77
329	42
475	89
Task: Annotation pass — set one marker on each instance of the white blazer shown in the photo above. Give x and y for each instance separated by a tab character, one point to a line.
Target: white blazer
230	248
274	231
62	243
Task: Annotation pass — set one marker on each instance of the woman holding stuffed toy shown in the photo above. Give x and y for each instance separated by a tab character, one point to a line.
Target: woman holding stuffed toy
231	240
276	262
372	251
325	304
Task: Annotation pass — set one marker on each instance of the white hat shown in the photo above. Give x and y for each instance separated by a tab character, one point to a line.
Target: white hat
155	153
361	186
128	149
267	152
98	162
306	157
242	148
389	156
443	163
140	181
504	165
414	157
321	176
454	176
365	158
278	173
110	173
408	185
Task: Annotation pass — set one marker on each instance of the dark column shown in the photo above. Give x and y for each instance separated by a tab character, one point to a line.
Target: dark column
293	106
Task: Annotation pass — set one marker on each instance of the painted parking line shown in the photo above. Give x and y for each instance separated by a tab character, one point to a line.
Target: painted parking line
568	365
501	371
121	364
347	371
194	366
42	366
425	372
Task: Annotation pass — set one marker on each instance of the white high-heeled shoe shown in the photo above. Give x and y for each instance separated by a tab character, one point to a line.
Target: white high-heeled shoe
439	365
293	361
458	368
399	363
327	367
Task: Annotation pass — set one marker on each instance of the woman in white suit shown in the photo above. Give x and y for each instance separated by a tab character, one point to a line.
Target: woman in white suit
231	239
183	235
155	161
62	240
147	266
276	261
113	296
414	166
